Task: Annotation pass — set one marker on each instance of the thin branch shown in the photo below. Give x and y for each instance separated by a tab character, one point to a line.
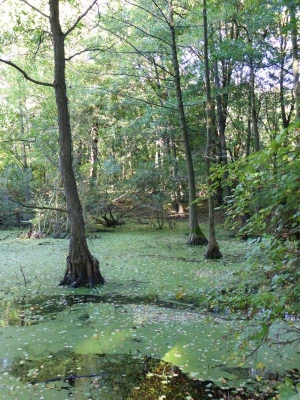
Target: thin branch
140	52
25	75
37	207
92	49
80	18
18	140
137	99
36	9
131	24
161	11
164	19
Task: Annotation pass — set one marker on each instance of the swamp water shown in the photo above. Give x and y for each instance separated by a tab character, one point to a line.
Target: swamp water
124	340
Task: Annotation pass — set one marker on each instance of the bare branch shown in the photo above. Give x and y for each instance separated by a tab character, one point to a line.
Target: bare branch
162	13
137	51
138	99
18	140
25	75
147	34
80	18
37	207
36	9
91	49
164	19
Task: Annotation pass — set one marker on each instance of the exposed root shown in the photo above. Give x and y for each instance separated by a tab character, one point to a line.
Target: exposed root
196	240
80	273
213	251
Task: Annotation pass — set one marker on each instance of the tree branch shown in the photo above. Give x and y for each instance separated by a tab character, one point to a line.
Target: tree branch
91	49
164	19
80	18
138	99
140	52
131	24
37	207
36	9
25	75
18	140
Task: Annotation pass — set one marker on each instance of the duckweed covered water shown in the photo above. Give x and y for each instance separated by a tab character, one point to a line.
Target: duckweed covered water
134	316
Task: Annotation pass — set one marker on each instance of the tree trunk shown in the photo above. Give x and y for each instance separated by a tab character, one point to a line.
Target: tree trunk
94	152
248	139
254	118
222	111
294	37
212	251
196	236
177	195
284	116
26	169
82	268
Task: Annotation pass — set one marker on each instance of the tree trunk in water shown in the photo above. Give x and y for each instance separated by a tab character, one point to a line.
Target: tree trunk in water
196	236
212	251
82	268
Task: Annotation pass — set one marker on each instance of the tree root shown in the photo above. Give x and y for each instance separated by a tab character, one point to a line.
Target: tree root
196	240
81	273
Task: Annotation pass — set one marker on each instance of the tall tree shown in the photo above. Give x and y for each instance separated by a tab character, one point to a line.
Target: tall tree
196	236
223	68
212	251
295	46
253	101
82	268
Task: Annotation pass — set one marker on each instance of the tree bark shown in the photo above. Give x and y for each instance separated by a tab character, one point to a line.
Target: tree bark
284	115
82	268
26	168
94	152
222	111
212	251
294	37
254	118
196	236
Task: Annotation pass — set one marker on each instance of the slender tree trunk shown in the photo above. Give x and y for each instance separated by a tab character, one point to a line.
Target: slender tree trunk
294	36
285	118
212	251
248	138
177	194
196	236
94	153
25	167
82	268
254	118
217	156
222	104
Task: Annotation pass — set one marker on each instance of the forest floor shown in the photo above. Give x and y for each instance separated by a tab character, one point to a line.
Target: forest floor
135	337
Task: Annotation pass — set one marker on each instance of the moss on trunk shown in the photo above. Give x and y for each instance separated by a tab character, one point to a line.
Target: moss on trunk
197	237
